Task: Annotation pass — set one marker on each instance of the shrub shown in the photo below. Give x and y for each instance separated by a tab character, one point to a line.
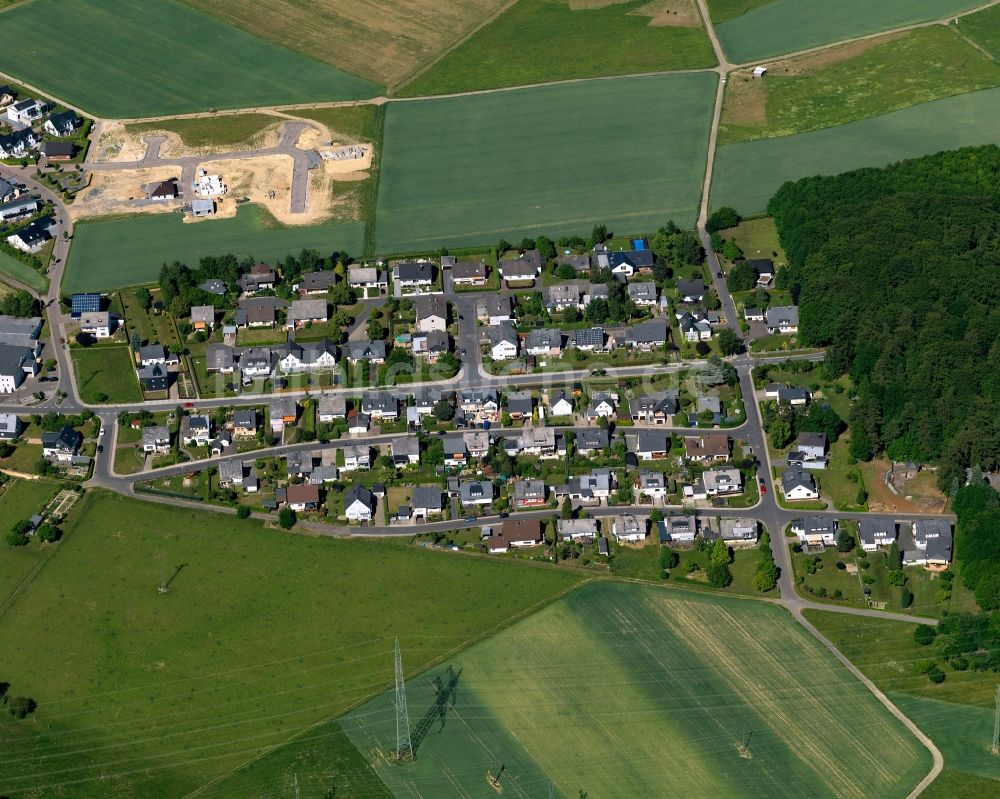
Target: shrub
868	579
286	519
924	666
935	675
924	634
959	663
838	594
243	512
21	706
719	575
906	597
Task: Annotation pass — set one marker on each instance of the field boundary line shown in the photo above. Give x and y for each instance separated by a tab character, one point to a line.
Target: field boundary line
35	89
509	621
938	759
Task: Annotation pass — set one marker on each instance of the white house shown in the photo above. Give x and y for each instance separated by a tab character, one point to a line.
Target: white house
155	439
876	531
719	482
431	313
356	457
798	484
359	504
504	342
782	319
816	530
629	528
561	404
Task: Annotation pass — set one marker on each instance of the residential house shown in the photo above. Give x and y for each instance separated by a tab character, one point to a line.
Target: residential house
580	263
753	314
722	482
256	362
431	346
816	530
588	489
577	529
214	286
371	351
405	451
565	295
7	96
455	453
232	472
9	190
694	326
798	484
602	406
678	529
357	457
98	324
282	411
691	290
650	484
469	273
304	312
63	123
331	407
359	504
156	439
18	143
220	358
259	311
10	426
477	443
427	501
304	497
57	150
809	451
515	533
152	354
26	111
520	404
628	262
656	408
326	471
529	493
413	275
591	440
876	531
521	271
931	544
203	317
482	402
358	423
153	377
162	190
647	336
764	269
367	278
380	405
245	423
313	356
261	277
316	282
642	294
475	493
738	532
561	404
629	528
590	339
782	319
431	313
495	309
504	342
540	441
31	238
651	444
61	446
792	395
544	342
222	441
707	447
196	430
25	205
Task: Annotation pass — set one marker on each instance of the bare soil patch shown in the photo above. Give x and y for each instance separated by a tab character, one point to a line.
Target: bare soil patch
114	143
114	192
267	181
746	101
919	495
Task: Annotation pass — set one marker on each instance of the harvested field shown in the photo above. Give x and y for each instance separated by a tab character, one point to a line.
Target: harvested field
383	42
489	179
200	63
682	680
748	173
786	26
858	80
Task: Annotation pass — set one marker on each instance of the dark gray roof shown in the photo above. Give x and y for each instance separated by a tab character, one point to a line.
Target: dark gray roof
359	493
427	497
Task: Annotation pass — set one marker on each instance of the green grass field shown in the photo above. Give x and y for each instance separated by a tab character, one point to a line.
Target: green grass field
127	251
786	26
984	29
262	635
230	130
128	58
107	371
468	170
832	88
553	41
22	273
628	690
722	10
747	174
20	499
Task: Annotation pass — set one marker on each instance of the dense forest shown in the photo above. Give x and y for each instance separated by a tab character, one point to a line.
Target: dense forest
897	272
977	542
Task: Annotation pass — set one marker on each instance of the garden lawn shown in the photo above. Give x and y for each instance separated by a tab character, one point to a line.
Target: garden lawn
637	729
469	170
758	238
262	635
844	85
551	37
107	371
128	251
786	26
747	174
149	59
22	273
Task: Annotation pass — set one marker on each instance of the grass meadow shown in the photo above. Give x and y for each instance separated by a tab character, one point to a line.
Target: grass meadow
129	58
748	173
554	40
105	374
262	635
229	130
20	499
853	82
468	170
787	26
627	690
983	28
130	250
22	273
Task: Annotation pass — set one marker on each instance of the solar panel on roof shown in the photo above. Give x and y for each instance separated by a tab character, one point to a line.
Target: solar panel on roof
85	303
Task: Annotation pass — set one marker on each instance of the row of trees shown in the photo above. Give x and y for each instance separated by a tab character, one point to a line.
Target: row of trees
897	272
20	303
